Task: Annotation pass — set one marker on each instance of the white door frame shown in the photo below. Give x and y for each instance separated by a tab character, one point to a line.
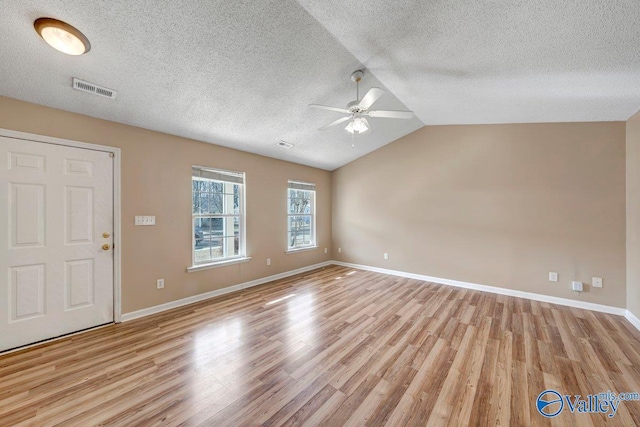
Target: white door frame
117	241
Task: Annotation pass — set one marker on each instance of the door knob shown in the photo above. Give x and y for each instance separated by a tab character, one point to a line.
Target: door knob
105	247
105	235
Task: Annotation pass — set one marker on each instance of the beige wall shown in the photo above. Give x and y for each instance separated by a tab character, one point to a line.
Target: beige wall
156	180
499	205
633	215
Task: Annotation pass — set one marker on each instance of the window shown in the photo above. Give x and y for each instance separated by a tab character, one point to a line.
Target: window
301	220
218	215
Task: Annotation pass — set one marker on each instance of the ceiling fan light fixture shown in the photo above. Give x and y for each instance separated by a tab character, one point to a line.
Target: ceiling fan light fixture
358	125
62	36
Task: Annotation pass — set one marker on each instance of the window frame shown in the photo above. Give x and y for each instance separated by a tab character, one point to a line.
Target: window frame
314	239
225	260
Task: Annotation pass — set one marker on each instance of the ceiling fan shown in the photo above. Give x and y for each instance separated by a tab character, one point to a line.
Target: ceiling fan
358	110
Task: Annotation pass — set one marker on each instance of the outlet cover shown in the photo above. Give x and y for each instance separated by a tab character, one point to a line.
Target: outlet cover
160	283
386	256
553	277
576	286
268	261
339	250
596	282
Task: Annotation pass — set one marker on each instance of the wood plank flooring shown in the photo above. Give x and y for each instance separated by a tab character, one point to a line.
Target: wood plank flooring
332	347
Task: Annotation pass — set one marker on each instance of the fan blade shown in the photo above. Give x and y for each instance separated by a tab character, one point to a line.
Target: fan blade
371	97
391	114
325	107
337	122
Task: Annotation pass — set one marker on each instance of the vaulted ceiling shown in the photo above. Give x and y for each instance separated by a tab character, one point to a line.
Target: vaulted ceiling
242	73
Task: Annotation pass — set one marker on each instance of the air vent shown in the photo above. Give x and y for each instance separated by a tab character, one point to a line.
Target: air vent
284	144
94	89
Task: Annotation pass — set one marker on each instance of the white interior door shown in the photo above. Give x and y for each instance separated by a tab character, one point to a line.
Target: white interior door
56	213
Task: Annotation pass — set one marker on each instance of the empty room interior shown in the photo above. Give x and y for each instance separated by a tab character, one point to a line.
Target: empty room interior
319	213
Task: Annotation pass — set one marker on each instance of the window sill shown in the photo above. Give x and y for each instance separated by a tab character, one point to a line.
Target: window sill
306	248
218	264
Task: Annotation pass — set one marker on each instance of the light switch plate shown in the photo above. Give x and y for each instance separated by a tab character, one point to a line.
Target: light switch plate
553	277
145	220
576	286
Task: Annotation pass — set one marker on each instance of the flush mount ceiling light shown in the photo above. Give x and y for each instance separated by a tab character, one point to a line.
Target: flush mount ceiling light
62	36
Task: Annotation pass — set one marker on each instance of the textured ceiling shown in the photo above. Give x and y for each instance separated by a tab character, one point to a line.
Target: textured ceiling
496	61
241	73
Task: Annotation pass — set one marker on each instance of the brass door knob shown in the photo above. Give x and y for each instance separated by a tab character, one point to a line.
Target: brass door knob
105	235
106	247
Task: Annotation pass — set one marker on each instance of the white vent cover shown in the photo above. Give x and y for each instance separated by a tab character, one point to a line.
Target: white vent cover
94	89
284	144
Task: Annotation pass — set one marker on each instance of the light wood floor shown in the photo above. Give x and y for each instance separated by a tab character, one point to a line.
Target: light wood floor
331	347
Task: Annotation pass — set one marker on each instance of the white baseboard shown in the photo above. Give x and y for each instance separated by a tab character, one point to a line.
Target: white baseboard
201	297
633	319
501	291
467	285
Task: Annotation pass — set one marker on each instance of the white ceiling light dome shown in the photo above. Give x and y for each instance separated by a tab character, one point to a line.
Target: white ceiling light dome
62	36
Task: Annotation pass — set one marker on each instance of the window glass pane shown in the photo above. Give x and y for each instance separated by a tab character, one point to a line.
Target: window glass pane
200	203
216	248
236	199
236	226
201	242
299	206
233	246
216	187
216	205
217	227
293	240
195	206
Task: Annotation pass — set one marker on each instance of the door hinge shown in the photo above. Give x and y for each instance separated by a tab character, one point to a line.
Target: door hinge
112	155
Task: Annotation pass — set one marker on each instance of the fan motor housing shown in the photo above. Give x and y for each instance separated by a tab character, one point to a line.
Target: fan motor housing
353	107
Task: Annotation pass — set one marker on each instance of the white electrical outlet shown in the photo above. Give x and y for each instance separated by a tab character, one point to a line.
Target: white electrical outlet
326	251
553	277
339	250
145	220
576	286
160	283
596	282
268	261
386	255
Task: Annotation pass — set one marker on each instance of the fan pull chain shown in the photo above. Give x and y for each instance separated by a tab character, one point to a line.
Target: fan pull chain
353	140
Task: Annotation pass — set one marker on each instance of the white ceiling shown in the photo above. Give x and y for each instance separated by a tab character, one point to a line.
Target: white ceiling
241	73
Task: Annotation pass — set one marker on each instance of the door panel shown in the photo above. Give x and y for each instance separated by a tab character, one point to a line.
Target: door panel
55	204
26	294
78	213
27	215
80	281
